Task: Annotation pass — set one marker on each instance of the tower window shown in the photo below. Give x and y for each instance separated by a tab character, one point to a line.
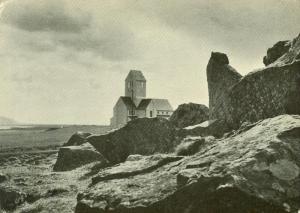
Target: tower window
150	114
128	84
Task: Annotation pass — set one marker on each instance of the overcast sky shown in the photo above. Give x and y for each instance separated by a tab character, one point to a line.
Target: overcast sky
65	61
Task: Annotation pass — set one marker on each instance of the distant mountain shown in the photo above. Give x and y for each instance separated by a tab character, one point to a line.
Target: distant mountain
7	121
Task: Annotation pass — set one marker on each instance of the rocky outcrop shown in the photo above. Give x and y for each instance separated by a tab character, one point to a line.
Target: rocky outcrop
77	139
265	93
141	136
189	114
220	77
10	198
275	52
254	170
3	177
72	157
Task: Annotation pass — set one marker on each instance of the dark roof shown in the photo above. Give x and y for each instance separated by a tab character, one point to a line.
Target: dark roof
128	102
159	104
136	75
144	103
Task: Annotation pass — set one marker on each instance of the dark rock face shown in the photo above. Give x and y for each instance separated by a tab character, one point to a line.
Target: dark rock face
77	139
189	114
254	170
271	91
72	157
220	77
141	136
10	198
275	52
3	177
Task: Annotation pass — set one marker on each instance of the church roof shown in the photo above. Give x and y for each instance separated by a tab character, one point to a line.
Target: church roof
128	102
159	104
136	75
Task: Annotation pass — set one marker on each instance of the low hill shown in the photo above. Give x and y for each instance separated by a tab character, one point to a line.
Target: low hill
7	121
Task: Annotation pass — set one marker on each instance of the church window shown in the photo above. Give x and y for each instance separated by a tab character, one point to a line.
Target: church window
150	114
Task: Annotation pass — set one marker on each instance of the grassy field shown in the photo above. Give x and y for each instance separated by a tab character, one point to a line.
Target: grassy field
42	136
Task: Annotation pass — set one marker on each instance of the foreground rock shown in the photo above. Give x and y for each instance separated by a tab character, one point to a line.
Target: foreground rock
189	114
265	93
77	139
254	170
142	136
10	198
71	157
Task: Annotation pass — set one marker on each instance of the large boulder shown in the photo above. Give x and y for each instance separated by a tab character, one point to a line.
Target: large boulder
264	93
275	52
189	114
77	139
10	198
141	136
72	157
254	170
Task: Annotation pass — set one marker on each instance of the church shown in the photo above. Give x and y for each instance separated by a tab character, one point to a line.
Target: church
135	104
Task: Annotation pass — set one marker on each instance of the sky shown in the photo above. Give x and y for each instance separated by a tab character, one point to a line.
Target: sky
65	61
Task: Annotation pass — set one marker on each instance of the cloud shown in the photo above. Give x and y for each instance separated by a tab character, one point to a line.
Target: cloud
32	15
48	25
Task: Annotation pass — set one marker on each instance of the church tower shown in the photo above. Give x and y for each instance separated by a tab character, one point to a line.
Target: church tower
135	86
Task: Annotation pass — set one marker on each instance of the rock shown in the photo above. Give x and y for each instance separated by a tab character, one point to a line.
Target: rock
10	198
220	78
3	177
265	93
77	139
255	170
189	114
141	136
215	128
189	145
72	157
275	52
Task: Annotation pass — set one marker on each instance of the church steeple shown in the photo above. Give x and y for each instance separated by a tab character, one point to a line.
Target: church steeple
135	86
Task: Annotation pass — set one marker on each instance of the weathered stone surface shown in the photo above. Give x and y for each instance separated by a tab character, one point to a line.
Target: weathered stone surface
10	198
220	77
265	93
215	128
275	52
141	136
189	114
189	146
77	139
3	177
71	157
254	170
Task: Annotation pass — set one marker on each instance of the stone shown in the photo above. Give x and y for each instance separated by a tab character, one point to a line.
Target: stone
189	145
72	157
143	136
264	93
216	128
189	114
3	177
275	52
10	198
77	139
254	170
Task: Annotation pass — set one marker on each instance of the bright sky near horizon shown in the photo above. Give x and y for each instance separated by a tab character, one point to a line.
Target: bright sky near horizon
65	61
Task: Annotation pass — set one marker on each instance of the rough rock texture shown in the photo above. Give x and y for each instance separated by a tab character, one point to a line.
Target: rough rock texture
271	91
3	177
220	77
141	136
254	170
215	128
71	157
189	114
275	52
77	139
10	198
